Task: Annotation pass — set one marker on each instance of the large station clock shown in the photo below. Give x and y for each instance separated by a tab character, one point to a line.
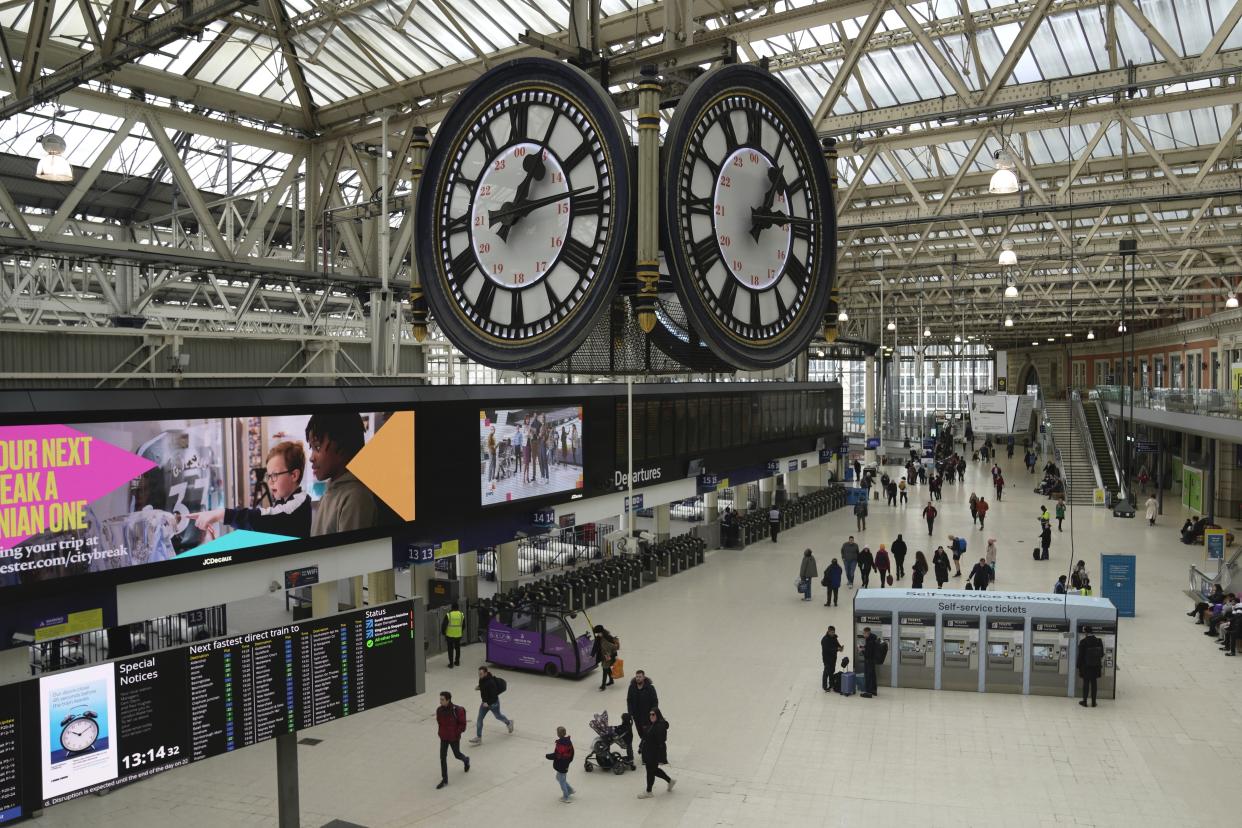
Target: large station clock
749	228
525	211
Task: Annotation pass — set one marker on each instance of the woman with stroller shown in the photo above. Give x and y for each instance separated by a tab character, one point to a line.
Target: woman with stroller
654	750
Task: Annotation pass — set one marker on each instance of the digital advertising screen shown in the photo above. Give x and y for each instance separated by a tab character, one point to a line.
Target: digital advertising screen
120	721
529	452
97	497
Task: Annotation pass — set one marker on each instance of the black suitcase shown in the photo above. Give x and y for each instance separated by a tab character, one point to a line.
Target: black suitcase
1035	553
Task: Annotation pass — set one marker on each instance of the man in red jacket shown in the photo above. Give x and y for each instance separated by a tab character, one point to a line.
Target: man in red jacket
451	720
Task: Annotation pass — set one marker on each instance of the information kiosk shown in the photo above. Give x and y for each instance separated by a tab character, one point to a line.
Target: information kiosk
959	647
1005	649
916	649
994	642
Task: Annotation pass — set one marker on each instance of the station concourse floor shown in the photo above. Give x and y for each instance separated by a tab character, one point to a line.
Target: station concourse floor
754	741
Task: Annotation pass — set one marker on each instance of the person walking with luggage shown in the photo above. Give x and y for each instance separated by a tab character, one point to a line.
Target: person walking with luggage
865	564
806	573
940	562
871	660
451	724
982	508
490	687
899	557
918	571
1151	507
990	556
981	574
562	757
860	514
654	750
640	700
882	565
1060	514
774	521
829	646
604	649
453	627
832	580
849	557
1045	541
1090	664
929	515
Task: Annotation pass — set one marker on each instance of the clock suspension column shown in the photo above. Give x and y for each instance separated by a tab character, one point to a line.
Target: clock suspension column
648	264
869	400
418	302
831	320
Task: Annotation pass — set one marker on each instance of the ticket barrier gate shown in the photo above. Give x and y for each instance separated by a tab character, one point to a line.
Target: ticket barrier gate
959	653
1107	633
1049	657
916	650
881	624
1005	655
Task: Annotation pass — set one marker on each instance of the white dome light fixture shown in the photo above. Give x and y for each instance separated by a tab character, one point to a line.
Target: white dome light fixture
1121	328
1090	334
892	325
927	332
1232	301
1011	289
1008	258
1005	179
1008	321
842	316
53	166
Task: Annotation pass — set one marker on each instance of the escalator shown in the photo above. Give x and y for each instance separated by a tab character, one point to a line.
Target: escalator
1102	448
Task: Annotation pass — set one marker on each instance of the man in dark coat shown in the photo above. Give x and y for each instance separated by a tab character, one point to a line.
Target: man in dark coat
641	700
899	557
871	657
829	646
1090	664
981	575
1045	541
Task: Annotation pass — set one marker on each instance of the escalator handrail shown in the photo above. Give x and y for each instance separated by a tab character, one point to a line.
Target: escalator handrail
1079	416
1112	451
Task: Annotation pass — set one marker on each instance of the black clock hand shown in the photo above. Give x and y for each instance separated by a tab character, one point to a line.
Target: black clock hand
777	176
517	211
762	220
535	170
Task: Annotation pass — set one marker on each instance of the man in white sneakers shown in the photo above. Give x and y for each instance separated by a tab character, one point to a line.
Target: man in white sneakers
490	687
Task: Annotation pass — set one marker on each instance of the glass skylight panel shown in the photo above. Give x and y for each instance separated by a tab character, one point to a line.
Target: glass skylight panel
223	58
875	83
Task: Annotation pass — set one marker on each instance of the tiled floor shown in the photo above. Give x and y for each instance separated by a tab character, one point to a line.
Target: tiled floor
755	742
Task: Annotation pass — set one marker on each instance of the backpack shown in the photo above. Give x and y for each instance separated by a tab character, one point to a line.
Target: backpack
1094	657
501	685
881	651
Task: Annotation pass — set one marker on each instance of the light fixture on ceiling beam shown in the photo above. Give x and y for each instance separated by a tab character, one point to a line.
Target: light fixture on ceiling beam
1068	334
1052	339
1036	344
1090	334
1008	321
892	325
1121	328
842	316
1011	289
1004	180
1232	301
1008	257
927	332
53	166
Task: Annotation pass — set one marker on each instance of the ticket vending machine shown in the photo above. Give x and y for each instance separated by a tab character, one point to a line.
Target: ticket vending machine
916	649
1050	657
881	624
959	652
1005	649
1107	632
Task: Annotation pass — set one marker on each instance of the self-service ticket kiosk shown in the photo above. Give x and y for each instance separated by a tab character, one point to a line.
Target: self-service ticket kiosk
1049	656
959	648
881	624
1005	648
916	649
1107	633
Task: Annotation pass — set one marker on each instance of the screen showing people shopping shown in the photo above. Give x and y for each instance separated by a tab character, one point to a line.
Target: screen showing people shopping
529	452
95	497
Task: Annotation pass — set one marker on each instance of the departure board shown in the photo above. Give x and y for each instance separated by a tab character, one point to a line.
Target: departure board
117	722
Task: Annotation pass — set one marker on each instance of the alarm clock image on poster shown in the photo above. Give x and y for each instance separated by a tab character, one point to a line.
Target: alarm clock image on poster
525	213
79	729
749	227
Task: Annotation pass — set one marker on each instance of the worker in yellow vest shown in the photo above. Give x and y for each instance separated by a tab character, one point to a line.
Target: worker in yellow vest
453	627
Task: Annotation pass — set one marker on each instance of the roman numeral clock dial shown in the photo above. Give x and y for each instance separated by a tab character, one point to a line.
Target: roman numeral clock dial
749	225
525	214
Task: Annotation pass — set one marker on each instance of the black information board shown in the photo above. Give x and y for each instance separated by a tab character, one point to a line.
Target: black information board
108	724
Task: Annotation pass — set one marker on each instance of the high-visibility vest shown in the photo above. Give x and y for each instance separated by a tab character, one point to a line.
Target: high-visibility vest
456	620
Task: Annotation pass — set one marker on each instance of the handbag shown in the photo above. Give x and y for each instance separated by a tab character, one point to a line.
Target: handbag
618	668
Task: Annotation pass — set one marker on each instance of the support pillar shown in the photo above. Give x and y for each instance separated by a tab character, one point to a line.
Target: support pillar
355	592
663	523
324	600
468	573
507	572
382	586
710	511
420	581
869	400
767	491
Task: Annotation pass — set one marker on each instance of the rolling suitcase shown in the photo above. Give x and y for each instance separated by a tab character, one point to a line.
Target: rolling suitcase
847	684
1035	553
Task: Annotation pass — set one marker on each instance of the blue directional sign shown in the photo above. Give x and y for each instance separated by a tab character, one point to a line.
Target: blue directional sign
1146	447
873	442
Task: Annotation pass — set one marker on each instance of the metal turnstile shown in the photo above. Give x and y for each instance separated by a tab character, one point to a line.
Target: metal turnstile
959	652
916	649
1005	650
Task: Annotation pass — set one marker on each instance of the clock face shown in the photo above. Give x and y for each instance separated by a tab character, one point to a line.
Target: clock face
80	734
749	222
527	199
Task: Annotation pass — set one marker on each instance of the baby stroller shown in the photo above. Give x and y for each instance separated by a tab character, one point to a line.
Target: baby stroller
602	752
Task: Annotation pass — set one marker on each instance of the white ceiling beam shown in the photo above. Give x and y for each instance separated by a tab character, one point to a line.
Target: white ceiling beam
172	158
1015	52
850	62
88	179
1152	33
1222	32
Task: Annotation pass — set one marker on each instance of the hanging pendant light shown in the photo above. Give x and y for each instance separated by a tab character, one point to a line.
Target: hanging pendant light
892	325
1008	321
53	166
926	332
1232	301
1121	328
842	316
1008	258
1004	180
1090	334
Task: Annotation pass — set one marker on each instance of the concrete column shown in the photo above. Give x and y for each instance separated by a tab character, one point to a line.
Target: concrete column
767	492
420	581
869	400
324	599
710	512
468	573
663	525
382	586
507	566
355	592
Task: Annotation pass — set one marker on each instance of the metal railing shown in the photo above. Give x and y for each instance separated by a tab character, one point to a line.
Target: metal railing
156	634
1201	583
1079	415
1113	455
558	549
1208	402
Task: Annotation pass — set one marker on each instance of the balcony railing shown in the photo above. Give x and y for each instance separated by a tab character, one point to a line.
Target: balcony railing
1208	402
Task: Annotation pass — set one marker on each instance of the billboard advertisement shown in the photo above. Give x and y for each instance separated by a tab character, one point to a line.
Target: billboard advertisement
529	452
98	497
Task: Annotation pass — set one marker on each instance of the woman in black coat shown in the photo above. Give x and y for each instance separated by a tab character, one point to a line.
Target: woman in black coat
919	569
865	564
940	561
654	751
